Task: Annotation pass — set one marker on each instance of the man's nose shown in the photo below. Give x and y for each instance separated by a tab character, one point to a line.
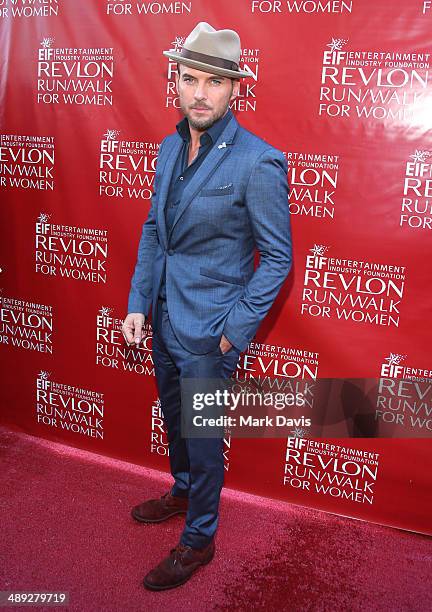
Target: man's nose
200	92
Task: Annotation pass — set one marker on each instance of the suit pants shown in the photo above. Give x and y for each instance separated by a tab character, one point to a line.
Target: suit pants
197	464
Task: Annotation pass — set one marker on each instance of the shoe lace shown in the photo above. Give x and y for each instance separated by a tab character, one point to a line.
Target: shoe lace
178	552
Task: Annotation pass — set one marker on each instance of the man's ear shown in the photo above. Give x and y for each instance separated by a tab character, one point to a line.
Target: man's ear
236	89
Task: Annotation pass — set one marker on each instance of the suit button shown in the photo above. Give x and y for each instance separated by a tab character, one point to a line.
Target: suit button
170	251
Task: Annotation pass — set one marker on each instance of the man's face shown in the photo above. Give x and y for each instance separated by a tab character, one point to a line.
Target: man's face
202	90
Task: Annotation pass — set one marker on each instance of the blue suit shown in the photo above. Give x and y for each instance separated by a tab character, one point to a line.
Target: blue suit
235	201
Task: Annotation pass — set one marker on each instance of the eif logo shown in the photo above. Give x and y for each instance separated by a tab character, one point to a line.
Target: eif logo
392	369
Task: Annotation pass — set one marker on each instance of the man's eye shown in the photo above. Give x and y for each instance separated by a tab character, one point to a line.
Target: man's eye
216	81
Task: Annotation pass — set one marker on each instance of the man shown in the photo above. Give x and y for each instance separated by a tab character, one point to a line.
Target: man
219	192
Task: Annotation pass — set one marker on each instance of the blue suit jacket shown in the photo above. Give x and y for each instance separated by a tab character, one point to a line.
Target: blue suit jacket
236	201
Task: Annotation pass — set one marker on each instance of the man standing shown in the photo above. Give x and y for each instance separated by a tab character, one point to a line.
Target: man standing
219	193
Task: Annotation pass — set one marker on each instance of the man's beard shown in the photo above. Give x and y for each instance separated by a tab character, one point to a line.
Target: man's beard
204	123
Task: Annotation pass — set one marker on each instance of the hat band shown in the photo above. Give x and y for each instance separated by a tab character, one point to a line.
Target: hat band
218	62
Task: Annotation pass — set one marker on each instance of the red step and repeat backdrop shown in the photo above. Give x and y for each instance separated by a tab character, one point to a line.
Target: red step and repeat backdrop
343	88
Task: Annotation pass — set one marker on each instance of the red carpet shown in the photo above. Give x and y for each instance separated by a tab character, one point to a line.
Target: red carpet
66	526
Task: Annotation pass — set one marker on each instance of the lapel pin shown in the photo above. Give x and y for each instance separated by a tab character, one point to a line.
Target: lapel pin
221	146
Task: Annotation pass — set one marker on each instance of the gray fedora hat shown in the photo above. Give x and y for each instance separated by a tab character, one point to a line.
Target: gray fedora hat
210	50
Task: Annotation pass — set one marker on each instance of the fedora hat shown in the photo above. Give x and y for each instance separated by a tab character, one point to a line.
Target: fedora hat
210	50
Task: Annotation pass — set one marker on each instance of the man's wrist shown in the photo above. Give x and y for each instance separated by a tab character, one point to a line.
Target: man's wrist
226	338
136	303
237	339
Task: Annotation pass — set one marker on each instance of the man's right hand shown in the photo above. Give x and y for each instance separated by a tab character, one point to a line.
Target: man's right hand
132	327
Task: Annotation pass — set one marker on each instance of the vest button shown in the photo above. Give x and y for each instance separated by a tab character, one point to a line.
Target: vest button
170	251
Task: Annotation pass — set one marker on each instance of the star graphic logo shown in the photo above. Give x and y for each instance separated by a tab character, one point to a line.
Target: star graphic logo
43	218
319	249
394	359
420	156
105	311
47	42
336	44
299	432
111	134
177	43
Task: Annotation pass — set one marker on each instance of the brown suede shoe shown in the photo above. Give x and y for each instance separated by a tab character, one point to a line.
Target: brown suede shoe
178	567
158	510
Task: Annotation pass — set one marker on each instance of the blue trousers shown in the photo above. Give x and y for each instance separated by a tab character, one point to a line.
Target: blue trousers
197	464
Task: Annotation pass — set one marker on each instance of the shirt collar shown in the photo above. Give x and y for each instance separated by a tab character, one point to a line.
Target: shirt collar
212	133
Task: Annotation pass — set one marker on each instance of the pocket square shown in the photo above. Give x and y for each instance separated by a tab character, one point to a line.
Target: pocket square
218	190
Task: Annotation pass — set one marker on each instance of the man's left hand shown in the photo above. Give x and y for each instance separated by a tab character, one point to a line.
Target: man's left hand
224	344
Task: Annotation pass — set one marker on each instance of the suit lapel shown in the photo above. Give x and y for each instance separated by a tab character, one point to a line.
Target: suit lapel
164	186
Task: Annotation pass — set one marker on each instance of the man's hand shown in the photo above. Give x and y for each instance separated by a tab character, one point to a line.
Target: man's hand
132	328
224	344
